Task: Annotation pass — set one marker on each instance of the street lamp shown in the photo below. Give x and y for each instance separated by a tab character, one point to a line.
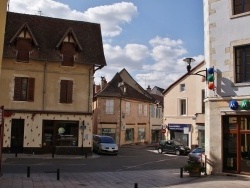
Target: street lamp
209	73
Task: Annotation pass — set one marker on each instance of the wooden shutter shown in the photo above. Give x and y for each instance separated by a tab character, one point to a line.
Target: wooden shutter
23	48
31	89
63	91
17	88
69	91
66	91
68	51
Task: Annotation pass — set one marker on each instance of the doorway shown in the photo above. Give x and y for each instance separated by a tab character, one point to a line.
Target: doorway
236	144
17	131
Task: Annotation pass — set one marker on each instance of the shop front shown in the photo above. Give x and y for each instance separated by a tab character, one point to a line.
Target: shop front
236	143
180	133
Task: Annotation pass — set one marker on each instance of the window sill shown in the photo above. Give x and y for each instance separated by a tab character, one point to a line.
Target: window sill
240	15
245	84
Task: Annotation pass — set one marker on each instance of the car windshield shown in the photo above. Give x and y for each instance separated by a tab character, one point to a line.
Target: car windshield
107	140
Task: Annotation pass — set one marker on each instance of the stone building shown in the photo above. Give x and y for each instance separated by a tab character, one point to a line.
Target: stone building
47	83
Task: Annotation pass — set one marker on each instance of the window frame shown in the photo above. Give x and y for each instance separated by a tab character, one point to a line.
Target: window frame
140	109
68	52
66	91
240	63
109	106
24	89
183	107
182	87
242	5
127	108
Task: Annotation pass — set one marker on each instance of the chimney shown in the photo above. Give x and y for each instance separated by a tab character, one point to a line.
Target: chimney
103	82
149	89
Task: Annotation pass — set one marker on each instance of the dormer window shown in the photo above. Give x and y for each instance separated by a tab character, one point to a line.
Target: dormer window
23	46
68	52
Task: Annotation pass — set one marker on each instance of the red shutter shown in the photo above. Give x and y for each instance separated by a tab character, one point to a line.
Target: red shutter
31	89
69	91
17	88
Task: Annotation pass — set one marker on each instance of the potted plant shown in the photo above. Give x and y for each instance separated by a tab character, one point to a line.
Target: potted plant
194	167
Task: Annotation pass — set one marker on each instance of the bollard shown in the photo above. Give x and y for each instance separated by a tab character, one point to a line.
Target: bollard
16	154
28	172
58	174
205	165
86	155
136	185
181	172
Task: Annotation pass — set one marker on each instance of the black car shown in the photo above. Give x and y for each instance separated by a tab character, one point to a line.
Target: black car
172	146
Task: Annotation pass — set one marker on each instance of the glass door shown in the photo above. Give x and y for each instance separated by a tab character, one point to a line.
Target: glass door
245	153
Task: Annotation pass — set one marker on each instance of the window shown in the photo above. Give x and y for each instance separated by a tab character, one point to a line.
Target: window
66	91
141	134
68	51
152	110
24	89
127	110
158	112
109	106
242	64
129	135
140	109
241	6
182	106
182	87
145	110
23	48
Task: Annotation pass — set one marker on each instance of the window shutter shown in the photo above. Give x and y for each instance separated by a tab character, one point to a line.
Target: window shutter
68	51
23	48
17	88
31	89
69	91
63	91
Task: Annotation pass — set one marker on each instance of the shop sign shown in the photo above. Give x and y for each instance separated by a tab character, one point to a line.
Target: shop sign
178	126
163	131
244	105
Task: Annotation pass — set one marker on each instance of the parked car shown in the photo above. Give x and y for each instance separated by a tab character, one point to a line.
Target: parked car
104	145
196	154
172	146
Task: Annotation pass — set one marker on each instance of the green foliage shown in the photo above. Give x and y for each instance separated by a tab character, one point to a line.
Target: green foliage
194	164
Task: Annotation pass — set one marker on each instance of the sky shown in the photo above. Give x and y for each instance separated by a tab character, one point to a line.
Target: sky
149	38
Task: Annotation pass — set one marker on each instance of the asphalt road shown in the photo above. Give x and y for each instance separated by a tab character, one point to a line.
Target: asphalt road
128	159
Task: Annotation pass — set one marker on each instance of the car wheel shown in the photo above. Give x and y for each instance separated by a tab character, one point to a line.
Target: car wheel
159	150
177	152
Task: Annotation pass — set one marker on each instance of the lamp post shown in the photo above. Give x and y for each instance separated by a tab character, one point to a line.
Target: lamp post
188	61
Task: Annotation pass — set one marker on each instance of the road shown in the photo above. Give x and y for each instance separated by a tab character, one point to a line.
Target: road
128	159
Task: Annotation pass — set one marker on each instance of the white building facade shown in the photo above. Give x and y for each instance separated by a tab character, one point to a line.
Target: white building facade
227	120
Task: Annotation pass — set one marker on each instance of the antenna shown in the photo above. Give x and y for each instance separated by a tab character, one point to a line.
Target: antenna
40	12
8	6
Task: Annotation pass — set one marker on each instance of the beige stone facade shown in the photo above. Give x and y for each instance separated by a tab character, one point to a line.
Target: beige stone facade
184	110
227	41
3	9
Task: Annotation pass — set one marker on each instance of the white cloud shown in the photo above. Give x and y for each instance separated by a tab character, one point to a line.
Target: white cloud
158	64
111	17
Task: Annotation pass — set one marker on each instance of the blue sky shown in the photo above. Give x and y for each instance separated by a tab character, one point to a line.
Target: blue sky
150	38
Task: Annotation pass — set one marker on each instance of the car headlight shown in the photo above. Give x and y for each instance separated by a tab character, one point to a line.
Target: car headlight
182	148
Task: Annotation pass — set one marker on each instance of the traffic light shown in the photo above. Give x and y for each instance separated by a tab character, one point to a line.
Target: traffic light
210	78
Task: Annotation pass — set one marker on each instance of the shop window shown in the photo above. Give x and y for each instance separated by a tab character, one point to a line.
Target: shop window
67	134
109	106
241	6
129	135
24	89
242	64
66	91
141	134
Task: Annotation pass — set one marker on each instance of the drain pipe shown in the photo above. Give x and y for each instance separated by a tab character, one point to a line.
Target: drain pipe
44	83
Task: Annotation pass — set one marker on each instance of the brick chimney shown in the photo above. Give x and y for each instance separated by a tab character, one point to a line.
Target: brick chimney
103	82
149	89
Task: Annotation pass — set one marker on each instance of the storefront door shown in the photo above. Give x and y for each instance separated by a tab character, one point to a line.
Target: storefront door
236	144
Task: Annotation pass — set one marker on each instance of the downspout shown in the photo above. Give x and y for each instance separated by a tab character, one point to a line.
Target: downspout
90	90
44	83
120	121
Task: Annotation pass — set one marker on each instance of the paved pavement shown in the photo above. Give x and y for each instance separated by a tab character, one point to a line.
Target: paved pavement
119	179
